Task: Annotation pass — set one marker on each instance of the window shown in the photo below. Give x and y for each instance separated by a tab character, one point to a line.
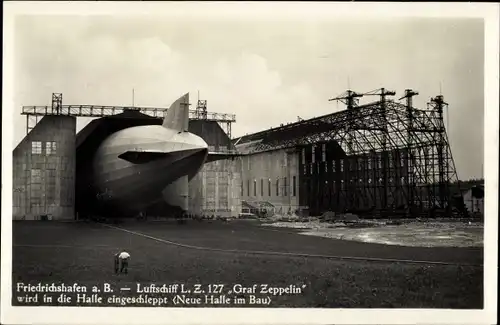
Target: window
285	192
36	147
313	153
333	165
326	166
248	187
305	169
269	187
50	148
303	156
285	161
278	187
323	155
254	187
369	163
242	188
312	168
261	187
341	165
379	162
294	190
51	186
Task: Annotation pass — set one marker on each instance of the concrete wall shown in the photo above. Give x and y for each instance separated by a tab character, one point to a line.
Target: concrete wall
271	177
44	171
215	189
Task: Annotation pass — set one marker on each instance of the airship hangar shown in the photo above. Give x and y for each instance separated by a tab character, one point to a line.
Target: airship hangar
380	159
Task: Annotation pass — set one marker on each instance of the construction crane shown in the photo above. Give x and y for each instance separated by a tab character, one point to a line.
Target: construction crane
409	93
382	92
350	98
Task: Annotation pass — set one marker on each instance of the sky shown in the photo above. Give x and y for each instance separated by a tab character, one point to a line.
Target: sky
265	71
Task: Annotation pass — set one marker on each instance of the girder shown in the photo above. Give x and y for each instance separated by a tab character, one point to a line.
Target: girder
399	156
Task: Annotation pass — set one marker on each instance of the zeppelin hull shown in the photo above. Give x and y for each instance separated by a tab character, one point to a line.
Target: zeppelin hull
129	184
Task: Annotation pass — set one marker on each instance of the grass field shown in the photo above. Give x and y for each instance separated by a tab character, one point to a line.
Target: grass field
53	252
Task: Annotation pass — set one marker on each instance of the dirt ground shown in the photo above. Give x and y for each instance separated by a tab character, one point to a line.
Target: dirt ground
169	253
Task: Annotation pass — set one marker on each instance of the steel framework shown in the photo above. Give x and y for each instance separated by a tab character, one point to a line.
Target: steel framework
383	155
35	113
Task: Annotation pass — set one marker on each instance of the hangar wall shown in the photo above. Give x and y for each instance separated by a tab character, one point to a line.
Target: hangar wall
44	171
215	189
271	177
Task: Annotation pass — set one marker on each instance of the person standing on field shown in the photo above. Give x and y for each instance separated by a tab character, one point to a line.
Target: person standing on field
121	262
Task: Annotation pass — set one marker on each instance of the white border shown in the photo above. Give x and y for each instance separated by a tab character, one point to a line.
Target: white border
242	10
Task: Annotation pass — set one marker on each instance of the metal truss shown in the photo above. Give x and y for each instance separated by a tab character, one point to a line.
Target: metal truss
393	155
35	113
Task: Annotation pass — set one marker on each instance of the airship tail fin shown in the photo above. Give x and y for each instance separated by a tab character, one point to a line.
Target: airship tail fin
177	117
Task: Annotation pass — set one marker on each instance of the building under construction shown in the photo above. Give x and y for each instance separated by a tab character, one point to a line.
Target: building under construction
384	158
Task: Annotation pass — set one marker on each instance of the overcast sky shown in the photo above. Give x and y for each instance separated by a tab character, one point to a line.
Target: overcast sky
265	72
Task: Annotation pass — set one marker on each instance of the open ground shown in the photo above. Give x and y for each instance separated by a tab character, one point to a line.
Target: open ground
216	252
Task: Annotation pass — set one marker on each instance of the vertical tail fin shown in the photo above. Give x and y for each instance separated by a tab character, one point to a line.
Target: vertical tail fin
177	117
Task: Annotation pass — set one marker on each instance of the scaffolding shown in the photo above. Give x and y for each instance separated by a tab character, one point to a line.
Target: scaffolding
382	156
35	113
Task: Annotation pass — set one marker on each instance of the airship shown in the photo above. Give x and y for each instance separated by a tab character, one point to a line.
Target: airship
138	167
